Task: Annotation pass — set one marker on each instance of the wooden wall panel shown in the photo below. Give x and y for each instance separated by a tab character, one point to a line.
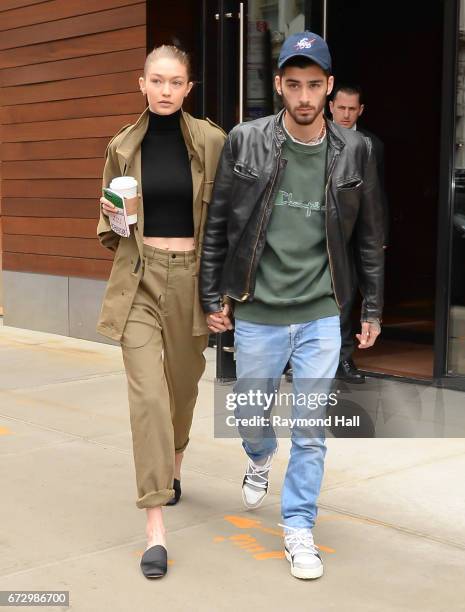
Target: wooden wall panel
55	9
119	82
68	128
6	5
97	106
69	81
56	245
47	207
53	169
77	148
73	188
81	46
62	266
105	63
71	228
115	19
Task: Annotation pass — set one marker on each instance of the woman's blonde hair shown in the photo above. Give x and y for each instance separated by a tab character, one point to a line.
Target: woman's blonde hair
173	53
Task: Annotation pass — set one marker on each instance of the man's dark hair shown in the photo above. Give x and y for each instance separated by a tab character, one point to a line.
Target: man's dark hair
348	88
299	61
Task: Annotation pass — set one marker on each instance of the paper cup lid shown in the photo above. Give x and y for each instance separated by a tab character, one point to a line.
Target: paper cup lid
123	182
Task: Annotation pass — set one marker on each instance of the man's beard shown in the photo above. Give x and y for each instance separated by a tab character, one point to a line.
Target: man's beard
301	119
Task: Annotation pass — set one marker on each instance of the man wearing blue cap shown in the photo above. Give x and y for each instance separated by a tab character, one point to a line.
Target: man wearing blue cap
293	193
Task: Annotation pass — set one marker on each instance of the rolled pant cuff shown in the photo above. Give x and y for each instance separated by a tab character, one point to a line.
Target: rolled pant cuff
157	498
299	522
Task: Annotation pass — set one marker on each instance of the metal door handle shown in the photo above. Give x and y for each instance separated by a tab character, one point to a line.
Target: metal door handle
227	15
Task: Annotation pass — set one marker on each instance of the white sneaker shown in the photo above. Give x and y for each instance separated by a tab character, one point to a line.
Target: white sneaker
301	552
255	483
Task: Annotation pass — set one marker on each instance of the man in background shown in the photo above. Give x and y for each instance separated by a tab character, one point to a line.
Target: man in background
346	107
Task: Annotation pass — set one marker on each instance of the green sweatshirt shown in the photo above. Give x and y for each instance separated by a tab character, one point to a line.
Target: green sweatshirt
293	283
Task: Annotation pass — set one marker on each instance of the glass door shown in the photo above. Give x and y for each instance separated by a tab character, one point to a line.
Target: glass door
268	24
241	45
223	61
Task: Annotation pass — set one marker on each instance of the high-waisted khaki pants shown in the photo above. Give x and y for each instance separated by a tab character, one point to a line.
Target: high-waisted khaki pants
163	363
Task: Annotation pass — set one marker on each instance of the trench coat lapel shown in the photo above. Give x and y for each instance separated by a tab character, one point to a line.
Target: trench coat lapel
129	156
191	137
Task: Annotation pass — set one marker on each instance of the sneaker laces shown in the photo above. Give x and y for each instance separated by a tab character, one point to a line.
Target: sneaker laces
257	475
299	540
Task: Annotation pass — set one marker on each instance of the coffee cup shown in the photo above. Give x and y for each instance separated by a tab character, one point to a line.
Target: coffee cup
126	186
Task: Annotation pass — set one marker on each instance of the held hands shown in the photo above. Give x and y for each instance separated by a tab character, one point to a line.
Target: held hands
370	331
220	321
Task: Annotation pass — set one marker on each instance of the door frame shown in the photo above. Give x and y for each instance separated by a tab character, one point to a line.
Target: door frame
446	198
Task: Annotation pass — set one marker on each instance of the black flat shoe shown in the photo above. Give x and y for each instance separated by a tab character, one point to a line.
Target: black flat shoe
177	493
154	562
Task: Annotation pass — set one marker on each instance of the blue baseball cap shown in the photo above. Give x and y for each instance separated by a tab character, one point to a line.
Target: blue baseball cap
306	44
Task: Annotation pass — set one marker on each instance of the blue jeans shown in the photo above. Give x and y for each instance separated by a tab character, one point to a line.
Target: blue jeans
262	352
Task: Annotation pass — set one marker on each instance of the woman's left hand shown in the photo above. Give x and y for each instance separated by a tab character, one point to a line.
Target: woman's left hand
107	206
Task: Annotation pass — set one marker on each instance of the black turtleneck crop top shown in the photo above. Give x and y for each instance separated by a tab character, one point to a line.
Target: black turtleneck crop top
166	179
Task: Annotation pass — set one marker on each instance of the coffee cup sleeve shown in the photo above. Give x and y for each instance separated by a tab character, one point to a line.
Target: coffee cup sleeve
131	205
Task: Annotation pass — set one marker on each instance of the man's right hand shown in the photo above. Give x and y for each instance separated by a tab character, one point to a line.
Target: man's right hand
220	321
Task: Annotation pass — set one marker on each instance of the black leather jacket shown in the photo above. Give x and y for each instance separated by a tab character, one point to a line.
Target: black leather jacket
247	178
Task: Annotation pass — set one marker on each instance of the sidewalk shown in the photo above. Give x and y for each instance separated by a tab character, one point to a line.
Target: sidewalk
391	525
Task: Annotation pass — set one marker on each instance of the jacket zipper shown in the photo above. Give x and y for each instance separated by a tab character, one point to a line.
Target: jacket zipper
333	163
268	195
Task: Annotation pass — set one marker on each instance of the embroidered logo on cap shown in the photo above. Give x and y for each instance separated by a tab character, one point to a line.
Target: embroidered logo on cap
305	43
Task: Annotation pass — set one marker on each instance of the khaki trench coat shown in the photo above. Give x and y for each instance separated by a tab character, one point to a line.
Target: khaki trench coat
204	141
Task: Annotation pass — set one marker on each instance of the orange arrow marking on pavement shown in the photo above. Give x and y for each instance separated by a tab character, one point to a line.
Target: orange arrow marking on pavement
242	522
272	554
247	523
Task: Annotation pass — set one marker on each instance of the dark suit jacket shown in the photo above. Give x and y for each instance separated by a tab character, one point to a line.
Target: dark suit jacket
378	148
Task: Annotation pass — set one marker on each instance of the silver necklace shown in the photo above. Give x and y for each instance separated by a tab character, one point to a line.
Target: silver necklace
316	140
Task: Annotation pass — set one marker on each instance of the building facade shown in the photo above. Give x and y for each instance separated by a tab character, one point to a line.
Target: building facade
68	75
68	82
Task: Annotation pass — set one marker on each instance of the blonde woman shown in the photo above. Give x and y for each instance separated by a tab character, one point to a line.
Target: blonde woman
151	303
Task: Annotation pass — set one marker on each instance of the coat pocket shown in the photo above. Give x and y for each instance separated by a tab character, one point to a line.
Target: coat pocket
136	334
348	184
244	171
